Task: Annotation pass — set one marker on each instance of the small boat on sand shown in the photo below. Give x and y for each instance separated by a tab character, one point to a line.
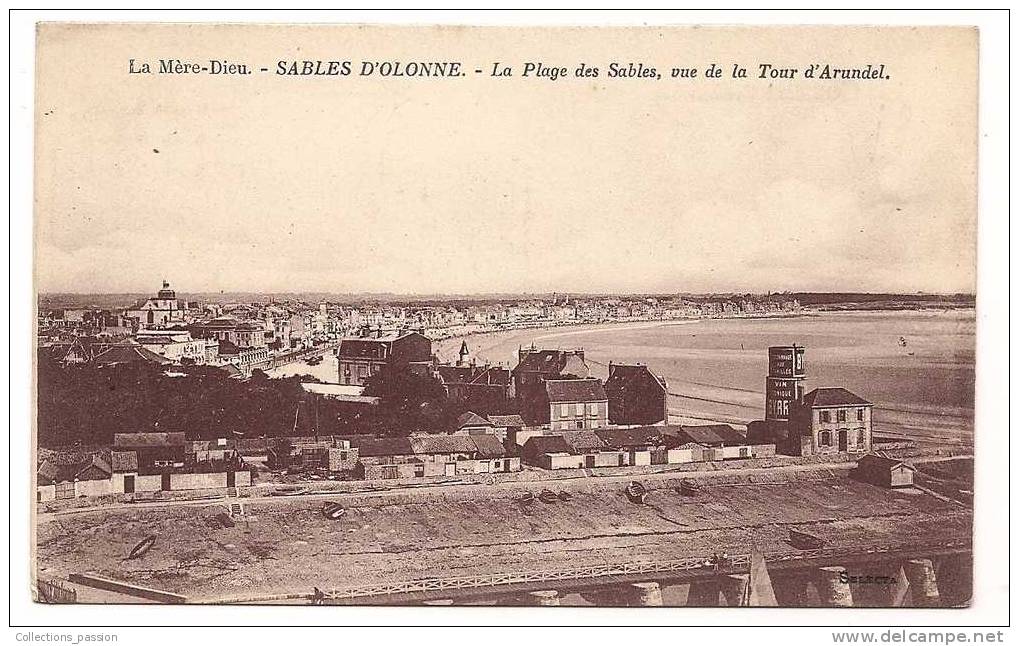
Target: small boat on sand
805	540
527	498
636	492
142	547
333	510
548	497
289	491
565	495
689	487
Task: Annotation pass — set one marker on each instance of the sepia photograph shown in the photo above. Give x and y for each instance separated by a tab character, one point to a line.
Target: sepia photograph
419	315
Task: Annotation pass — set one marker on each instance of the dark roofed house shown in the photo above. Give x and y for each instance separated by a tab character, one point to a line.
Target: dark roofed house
713	435
483	388
583	441
369	447
570	404
449	445
535	366
645	438
884	472
89	467
636	395
432	455
156	452
829	420
542	445
571	450
360	358
714	442
488	446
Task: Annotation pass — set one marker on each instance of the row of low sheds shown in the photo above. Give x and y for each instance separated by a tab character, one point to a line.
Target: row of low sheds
641	446
165	462
142	463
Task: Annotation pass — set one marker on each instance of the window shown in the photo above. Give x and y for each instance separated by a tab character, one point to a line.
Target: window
578	408
580	424
862	438
859	414
842	415
824	416
592	409
825	438
564	410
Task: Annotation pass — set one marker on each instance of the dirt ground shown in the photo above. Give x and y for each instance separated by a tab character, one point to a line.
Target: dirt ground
287	546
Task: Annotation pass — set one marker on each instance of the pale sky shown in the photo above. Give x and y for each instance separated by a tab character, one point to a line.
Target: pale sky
475	184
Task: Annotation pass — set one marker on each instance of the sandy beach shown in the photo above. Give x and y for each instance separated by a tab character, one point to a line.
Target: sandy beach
716	367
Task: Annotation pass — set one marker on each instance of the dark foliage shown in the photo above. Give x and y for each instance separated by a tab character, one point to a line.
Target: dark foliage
409	402
85	404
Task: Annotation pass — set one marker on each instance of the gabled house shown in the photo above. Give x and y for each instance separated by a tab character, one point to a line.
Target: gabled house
830	420
569	404
636	395
360	358
642	445
156	452
570	450
534	366
884	472
481	387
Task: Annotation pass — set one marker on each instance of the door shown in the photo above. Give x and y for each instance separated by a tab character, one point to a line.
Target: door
451	468
166	481
231	479
589	461
64	490
129	484
843	440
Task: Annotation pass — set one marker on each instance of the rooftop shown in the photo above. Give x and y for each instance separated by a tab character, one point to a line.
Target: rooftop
575	390
825	397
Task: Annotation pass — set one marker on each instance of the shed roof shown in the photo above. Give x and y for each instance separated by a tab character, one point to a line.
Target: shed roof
488	446
582	441
547	444
575	390
510	421
438	444
471	419
707	434
147	440
630	437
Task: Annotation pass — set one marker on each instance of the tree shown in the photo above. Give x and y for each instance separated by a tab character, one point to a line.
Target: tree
409	400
